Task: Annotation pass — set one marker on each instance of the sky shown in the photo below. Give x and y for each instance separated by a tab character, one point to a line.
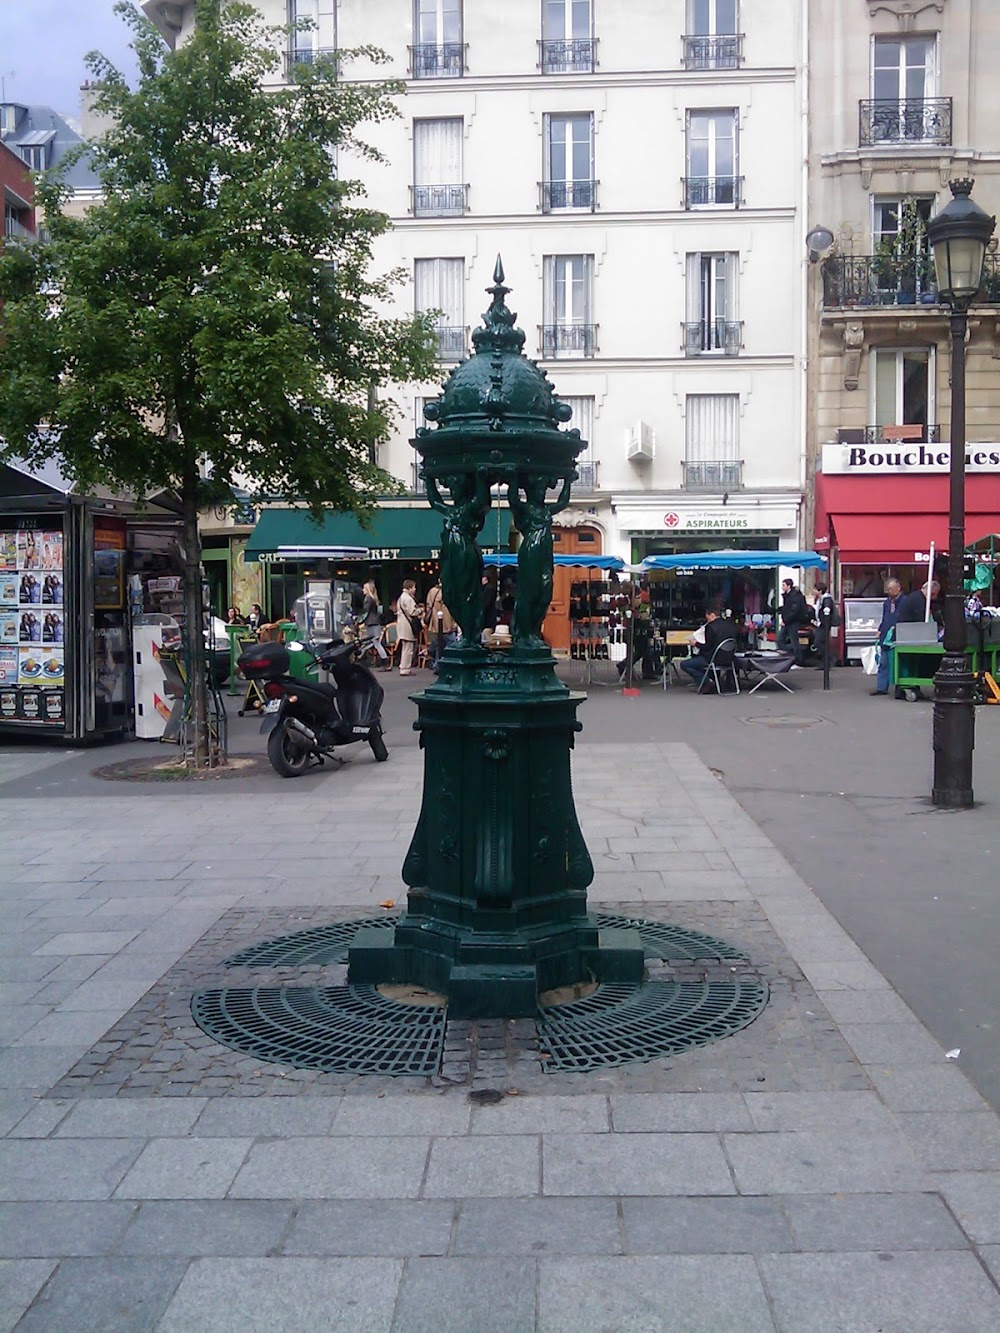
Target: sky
42	45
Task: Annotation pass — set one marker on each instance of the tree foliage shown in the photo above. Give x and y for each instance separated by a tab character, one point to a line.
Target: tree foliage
221	303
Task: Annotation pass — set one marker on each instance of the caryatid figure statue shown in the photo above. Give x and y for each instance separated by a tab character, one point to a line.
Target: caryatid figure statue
461	558
533	520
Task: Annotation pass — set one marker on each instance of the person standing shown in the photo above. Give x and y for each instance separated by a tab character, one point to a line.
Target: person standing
886	635
371	618
407	626
912	610
827	617
440	624
795	613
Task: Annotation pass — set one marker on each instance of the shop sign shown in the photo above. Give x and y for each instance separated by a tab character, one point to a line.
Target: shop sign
706	520
873	459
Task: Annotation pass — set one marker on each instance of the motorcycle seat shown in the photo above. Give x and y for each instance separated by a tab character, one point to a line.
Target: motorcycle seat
329	690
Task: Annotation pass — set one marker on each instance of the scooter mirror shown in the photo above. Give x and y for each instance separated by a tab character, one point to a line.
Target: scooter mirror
295	647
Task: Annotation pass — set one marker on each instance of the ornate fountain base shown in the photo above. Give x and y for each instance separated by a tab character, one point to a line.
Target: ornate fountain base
498	868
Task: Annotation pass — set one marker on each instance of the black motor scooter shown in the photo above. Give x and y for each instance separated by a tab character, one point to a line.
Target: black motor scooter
307	720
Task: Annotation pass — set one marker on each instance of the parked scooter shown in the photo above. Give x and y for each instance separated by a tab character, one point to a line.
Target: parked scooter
305	721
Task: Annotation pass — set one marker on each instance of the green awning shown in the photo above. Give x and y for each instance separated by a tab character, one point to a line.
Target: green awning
395	534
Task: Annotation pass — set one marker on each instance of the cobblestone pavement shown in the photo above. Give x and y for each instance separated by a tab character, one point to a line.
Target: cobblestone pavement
825	1168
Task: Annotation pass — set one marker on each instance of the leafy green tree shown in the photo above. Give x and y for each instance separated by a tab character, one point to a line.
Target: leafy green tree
217	316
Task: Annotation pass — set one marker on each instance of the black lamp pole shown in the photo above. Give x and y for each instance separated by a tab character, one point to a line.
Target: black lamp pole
958	237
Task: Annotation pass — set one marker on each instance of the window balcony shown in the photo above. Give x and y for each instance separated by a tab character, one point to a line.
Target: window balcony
574	55
567	194
14	228
708	336
721	52
447	61
713	191
309	56
451	344
878	280
911	120
588	477
562	339
726	475
439	201
918	432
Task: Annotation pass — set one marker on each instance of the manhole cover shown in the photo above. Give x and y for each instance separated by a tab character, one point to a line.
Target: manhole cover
621	1024
786	720
339	1029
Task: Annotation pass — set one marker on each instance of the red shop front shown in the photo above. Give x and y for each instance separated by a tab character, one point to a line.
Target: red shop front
877	526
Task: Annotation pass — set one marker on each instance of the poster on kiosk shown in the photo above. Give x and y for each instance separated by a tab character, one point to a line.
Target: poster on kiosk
32	621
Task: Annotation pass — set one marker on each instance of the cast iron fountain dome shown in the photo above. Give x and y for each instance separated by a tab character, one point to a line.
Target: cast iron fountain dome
497	868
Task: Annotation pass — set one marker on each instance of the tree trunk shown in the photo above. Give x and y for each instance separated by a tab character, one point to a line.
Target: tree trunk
193	617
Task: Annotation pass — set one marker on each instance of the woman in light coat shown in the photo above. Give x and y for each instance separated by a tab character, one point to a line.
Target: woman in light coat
406	610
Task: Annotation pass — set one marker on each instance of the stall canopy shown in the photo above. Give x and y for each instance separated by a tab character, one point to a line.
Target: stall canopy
737	560
395	534
606	562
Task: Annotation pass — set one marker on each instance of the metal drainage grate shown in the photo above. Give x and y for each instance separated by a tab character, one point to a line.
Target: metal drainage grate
672	943
620	1024
338	1029
308	948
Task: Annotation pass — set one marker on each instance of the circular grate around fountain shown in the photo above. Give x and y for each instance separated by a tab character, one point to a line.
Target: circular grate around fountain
338	1029
356	1029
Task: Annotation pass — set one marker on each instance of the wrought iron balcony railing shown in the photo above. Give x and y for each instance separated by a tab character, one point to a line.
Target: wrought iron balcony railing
568	194
713	191
309	56
918	432
713	335
908	120
439	201
451	343
445	61
722	52
588	476
577	339
724	475
571	55
878	280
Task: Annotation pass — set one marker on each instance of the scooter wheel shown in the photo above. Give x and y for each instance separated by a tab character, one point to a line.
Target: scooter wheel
288	758
378	747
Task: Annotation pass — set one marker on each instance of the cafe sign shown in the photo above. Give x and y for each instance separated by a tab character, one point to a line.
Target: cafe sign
904	457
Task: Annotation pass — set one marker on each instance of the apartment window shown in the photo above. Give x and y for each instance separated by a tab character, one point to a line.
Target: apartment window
904	105
711	322
438	190
439	284
903	391
568	44
583	421
318	40
35	155
567	306
712	39
569	163
711	452
438	51
712	180
902	259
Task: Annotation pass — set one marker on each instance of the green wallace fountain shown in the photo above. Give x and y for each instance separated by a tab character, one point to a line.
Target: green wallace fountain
497	869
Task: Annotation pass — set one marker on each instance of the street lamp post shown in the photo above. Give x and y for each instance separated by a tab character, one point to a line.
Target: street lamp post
958	237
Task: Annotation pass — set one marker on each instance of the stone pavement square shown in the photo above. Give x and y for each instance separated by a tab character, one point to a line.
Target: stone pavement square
823	1168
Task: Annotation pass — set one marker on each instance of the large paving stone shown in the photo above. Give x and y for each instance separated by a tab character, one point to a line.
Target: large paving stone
536	1227
290	1295
974	1198
20	1282
705	1226
483	1166
529	1114
137	1117
403	1227
858	1293
678	1294
277	1117
333	1168
461	1295
184	1169
635	1164
126	1295
872	1222
700	1112
39	1169
436	1115
43	1230
823	1162
239	1228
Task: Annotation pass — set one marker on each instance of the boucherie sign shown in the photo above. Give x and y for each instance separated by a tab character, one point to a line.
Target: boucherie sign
908	456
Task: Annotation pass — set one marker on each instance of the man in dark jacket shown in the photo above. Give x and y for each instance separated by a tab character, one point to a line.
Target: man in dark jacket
911	610
717	631
887	631
795	612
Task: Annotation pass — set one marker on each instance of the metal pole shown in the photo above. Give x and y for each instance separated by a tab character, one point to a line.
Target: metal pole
954	684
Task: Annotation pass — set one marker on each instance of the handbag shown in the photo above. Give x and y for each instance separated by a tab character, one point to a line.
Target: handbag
416	624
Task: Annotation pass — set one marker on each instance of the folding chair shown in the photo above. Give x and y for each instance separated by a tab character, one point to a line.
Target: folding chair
717	667
773	666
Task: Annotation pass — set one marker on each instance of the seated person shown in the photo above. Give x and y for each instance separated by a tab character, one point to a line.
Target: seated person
715	631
